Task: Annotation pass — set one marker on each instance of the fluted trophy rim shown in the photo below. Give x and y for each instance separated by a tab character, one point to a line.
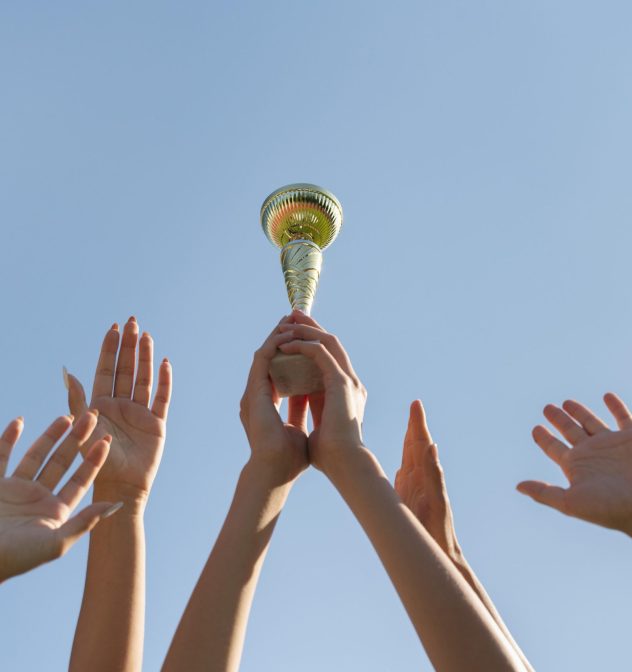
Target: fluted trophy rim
275	237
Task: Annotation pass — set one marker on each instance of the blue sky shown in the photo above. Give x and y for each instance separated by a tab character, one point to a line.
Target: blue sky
482	154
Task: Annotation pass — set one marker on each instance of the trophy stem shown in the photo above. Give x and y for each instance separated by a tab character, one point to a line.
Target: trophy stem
301	261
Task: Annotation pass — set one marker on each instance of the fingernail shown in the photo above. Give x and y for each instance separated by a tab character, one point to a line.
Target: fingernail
146	334
112	510
20	418
166	361
66	381
114	326
93	411
108	438
71	417
132	319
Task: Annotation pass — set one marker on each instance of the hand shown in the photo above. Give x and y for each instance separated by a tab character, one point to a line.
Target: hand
282	446
421	484
138	432
35	524
598	464
337	412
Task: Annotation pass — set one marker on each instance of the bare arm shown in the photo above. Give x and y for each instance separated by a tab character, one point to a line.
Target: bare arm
210	636
420	482
455	628
109	634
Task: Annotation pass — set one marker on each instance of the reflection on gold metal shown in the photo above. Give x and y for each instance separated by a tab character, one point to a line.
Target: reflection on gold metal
301	219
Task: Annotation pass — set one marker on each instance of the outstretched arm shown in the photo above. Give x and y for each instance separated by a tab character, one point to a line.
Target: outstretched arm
596	461
109	634
35	524
420	482
211	633
456	630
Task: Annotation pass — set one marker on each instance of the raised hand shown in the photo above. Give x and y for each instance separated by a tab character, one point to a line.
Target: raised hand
337	413
35	523
596	460
122	393
421	484
211	633
282	445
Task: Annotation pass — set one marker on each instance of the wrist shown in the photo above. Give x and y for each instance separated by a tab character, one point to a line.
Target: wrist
270	472
348	461
134	499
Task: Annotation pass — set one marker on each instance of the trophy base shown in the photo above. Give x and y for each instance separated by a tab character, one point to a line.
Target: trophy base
295	375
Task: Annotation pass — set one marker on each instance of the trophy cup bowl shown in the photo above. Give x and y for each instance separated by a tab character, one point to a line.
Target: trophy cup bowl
302	220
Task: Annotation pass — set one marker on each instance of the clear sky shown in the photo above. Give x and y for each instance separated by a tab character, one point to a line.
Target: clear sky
482	152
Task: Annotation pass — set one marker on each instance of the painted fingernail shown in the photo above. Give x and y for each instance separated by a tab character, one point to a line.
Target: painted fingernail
66	381
112	510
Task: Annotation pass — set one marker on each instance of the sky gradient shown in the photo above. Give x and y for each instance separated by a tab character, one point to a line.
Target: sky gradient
482	154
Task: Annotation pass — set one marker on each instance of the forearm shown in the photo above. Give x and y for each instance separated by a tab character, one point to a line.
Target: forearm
109	634
211	633
468	574
457	632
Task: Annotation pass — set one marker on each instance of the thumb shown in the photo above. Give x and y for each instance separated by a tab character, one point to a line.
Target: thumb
550	495
76	395
74	528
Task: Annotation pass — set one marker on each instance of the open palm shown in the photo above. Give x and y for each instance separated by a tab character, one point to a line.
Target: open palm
35	524
421	485
597	464
121	394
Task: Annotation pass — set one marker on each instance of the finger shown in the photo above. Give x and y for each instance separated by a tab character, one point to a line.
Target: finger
8	439
76	487
76	395
297	412
299	317
417	437
551	495
74	528
551	445
566	426
619	410
126	363
160	407
316	405
331	342
262	357
586	418
142	386
104	376
34	457
60	461
332	373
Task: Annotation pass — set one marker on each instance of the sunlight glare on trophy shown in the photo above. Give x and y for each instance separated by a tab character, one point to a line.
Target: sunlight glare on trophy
302	220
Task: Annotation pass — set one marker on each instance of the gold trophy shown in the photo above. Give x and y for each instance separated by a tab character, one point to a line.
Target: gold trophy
302	220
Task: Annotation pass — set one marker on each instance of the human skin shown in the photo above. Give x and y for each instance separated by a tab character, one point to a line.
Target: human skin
110	629
35	524
420	482
211	632
596	460
456	630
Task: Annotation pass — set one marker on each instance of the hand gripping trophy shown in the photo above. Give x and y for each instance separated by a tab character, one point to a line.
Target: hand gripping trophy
302	220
